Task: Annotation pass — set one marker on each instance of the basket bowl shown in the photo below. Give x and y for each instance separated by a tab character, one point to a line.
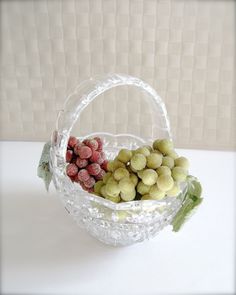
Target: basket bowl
119	224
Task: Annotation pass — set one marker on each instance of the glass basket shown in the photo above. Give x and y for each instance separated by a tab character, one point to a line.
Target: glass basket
125	112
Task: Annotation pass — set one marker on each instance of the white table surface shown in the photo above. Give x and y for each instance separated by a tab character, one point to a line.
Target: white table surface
45	252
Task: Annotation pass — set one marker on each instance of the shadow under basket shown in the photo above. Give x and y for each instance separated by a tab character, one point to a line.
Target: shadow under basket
138	118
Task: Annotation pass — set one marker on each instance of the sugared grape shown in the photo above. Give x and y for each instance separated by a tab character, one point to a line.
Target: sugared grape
95	158
92	143
174	191
115	199
120	173
145	197
71	169
148	147
138	161
179	173
143	150
154	160
164	146
103	191
112	189
163	170
155	144
140	173
111	179
100	143
126	185
72	141
84	152
97	186
93	169
113	165
155	193
90	182
100	175
168	161
165	182
149	176
83	175
104	165
134	178
182	162
128	196
81	163
124	155
142	188
172	154
69	155
106	177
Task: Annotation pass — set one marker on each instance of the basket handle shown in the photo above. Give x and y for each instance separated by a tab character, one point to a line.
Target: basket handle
87	91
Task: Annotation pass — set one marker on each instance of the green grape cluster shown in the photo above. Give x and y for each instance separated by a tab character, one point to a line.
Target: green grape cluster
147	173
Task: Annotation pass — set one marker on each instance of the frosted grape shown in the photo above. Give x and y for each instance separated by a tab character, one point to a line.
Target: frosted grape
174	191
93	169
83	175
100	143
124	155
115	199
111	180
103	191
134	178
97	186
84	152
143	150
154	160
140	173
81	163
120	173
164	146
106	177
90	182
143	188
71	169
92	143
104	165
182	162
110	166
96	157
179	173
155	193
172	154
149	176
138	161
69	155
145	197
165	182
131	169
126	185
112	189
100	175
155	144
117	164
168	161
72	141
128	196
163	170
148	147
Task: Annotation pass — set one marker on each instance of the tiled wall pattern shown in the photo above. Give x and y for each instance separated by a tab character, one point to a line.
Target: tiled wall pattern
185	49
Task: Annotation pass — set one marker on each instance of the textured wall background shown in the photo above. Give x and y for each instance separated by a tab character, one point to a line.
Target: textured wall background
184	49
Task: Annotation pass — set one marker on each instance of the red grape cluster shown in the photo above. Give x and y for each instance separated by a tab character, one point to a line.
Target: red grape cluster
87	162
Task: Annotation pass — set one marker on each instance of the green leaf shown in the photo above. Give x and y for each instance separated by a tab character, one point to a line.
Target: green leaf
43	170
191	202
